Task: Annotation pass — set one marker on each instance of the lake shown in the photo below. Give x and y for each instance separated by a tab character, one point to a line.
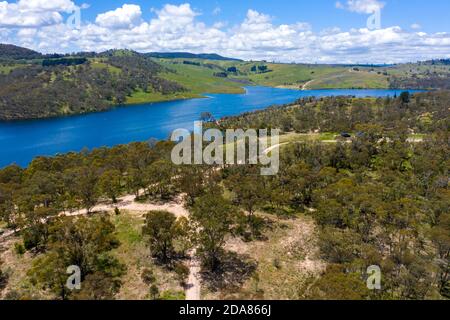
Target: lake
23	140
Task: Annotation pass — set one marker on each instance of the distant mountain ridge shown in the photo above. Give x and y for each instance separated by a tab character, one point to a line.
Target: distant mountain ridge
187	55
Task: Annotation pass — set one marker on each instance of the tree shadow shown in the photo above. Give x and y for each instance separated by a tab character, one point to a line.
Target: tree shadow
233	270
254	228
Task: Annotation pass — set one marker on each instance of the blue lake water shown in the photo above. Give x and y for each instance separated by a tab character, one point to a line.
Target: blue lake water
21	141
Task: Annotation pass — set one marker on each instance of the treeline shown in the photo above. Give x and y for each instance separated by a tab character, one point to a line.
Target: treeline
428	81
62	88
422	113
63	62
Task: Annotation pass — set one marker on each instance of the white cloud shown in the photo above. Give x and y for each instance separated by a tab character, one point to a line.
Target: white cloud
361	6
33	13
180	15
178	28
416	26
125	17
46	5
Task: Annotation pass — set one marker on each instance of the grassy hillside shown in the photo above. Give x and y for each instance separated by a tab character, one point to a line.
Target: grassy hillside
53	88
200	78
39	86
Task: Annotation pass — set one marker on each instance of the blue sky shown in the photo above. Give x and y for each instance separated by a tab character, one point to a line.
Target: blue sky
327	31
432	15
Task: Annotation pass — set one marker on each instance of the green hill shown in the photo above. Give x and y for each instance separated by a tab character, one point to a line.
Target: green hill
9	51
33	85
59	87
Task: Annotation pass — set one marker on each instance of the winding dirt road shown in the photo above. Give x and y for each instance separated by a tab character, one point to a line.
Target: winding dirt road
193	286
127	203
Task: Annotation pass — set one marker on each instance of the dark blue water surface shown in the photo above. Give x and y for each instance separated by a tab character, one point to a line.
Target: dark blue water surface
21	141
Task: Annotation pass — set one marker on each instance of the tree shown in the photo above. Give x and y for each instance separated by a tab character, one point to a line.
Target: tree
159	176
161	229
182	272
8	210
191	181
336	284
154	292
440	235
249	194
212	216
37	229
405	97
49	273
98	286
85	187
339	158
148	276
110	184
83	242
135	181
248	190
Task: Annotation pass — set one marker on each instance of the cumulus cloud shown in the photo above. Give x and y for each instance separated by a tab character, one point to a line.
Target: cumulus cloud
416	26
179	28
361	6
33	13
125	17
177	15
46	5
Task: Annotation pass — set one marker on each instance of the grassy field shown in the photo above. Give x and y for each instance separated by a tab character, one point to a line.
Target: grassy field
134	253
292	75
199	79
351	79
100	64
147	97
5	69
284	262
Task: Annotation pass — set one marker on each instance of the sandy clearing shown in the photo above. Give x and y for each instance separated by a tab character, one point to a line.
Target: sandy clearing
127	203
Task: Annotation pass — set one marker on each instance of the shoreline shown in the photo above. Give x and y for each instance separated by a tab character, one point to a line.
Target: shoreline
194	96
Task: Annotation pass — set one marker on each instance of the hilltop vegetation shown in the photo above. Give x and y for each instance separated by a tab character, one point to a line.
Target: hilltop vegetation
8	51
433	74
63	86
335	208
38	86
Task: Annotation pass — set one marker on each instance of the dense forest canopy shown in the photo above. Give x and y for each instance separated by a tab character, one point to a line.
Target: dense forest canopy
377	198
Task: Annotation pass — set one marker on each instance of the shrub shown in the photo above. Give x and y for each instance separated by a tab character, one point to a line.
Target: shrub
19	249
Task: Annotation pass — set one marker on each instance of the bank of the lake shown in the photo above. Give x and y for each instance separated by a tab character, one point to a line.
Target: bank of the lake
24	140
